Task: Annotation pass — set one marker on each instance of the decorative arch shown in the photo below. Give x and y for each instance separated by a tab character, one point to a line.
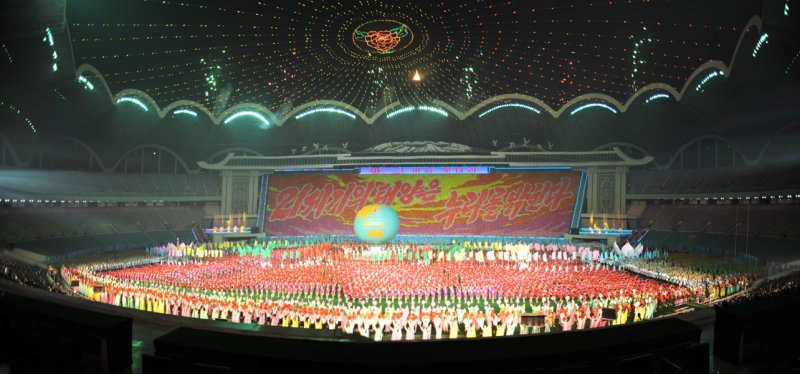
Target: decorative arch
313	104
160	148
449	108
768	144
92	153
383	111
694	141
505	97
187	104
13	152
139	94
246	106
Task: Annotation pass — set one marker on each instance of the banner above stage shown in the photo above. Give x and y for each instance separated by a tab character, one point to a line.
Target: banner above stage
425	170
525	204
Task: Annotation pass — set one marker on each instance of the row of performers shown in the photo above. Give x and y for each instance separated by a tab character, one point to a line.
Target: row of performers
394	321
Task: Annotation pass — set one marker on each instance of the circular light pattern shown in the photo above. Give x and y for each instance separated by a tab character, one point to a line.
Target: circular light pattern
282	54
382	36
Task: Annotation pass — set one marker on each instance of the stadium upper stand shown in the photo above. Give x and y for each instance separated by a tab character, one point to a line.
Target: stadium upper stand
73	185
721	181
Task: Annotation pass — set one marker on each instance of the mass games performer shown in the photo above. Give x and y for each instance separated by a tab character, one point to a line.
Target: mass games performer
405	292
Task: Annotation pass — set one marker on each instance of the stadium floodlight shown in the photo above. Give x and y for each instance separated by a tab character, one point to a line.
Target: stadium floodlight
329	110
400	111
591	105
126	99
656	97
433	110
185	111
247	113
510	105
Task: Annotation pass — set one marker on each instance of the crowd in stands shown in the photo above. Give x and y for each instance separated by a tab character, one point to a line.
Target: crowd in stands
25	274
724	180
789	284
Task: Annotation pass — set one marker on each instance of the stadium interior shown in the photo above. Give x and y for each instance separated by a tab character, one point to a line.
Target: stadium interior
129	126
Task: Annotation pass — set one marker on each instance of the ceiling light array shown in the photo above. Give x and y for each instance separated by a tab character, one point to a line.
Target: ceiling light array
593	105
510	105
656	97
86	84
328	110
481	50
127	99
712	75
60	95
761	41
636	58
8	54
48	38
786	8
791	63
19	113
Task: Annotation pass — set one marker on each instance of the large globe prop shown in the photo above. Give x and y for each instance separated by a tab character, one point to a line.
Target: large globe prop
376	224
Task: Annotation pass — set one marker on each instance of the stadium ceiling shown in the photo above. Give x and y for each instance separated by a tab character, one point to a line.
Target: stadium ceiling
370	55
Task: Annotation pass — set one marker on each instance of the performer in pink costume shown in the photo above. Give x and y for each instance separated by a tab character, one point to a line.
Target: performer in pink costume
437	325
411	327
397	328
425	327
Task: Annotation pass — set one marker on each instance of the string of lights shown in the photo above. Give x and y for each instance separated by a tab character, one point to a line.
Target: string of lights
327	110
791	63
367	53
132	100
593	105
657	97
247	113
8	54
19	114
510	105
48	38
761	42
710	76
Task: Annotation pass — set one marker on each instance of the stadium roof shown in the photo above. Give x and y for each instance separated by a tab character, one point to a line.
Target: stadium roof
366	54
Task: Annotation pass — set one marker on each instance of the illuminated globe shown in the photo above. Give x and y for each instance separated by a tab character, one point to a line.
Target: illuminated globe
376	224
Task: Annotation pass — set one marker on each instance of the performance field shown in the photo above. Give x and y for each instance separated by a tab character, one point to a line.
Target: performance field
422	253
409	291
